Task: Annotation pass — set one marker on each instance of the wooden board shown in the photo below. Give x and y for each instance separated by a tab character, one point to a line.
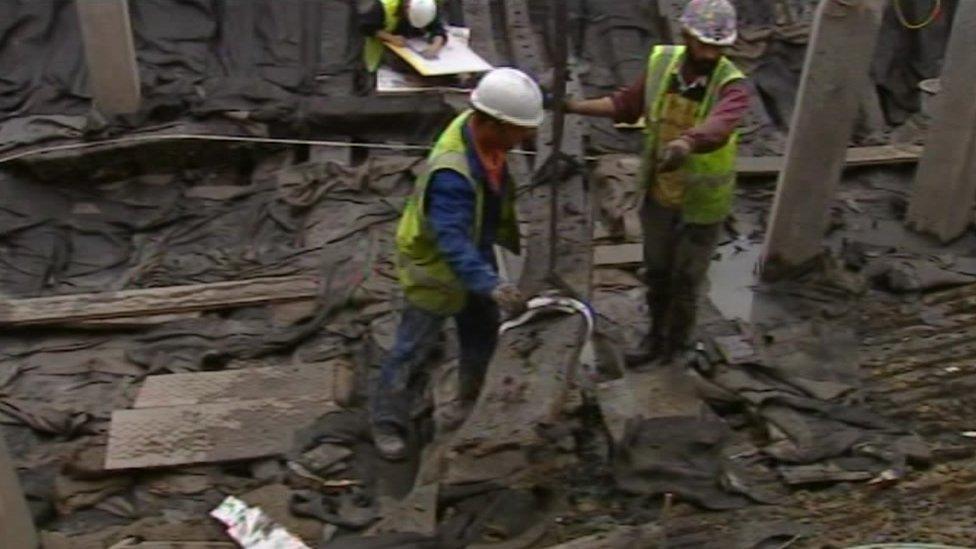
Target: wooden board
454	58
856	156
838	58
231	385
618	254
155	301
206	433
945	190
113	74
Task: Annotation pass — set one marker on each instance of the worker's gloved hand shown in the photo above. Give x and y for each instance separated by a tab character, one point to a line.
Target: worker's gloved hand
673	155
557	168
509	298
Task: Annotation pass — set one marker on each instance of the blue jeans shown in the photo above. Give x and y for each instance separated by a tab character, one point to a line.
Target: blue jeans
416	337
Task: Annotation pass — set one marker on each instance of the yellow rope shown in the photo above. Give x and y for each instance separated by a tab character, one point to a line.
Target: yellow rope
936	9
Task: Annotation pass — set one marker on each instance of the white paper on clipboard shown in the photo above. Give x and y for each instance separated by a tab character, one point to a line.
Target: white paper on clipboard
454	58
389	81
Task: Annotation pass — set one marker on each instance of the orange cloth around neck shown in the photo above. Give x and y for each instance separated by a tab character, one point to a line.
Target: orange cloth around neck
493	161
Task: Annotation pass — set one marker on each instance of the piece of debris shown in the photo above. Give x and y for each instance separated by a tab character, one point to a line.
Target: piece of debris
252	529
813	474
736	349
416	513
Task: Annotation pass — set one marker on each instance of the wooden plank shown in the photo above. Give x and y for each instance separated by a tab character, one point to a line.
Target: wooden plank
618	254
16	524
945	188
841	47
855	157
156	301
525	388
113	74
231	385
206	433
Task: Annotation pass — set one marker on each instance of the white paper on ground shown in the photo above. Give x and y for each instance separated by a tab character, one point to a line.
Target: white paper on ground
252	529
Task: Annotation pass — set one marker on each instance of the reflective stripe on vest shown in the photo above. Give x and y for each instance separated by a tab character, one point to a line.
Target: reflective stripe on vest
709	178
427	280
373	47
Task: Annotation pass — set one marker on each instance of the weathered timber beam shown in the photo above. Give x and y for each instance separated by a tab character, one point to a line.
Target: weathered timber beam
155	301
882	155
113	74
945	188
841	47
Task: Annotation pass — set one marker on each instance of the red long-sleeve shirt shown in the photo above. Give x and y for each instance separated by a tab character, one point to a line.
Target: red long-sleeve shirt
729	109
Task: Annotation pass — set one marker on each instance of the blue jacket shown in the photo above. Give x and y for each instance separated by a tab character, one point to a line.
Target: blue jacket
450	211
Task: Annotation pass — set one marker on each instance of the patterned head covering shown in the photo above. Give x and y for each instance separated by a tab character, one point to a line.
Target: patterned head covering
711	21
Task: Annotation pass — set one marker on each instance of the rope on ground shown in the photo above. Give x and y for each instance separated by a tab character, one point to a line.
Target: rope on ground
936	11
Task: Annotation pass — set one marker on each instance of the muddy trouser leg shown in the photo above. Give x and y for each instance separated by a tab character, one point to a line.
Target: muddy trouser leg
477	327
692	256
660	226
392	398
364	81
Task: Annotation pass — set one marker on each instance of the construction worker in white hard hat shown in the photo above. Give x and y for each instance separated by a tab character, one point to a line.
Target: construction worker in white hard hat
692	99
463	204
395	21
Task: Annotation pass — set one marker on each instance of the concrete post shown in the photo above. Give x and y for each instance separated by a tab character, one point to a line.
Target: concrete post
113	75
16	524
842	44
945	186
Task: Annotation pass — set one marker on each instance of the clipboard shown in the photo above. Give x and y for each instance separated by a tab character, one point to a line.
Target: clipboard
454	58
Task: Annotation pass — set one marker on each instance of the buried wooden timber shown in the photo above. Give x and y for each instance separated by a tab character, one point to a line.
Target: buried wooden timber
838	58
331	380
156	301
882	155
110	55
208	433
945	189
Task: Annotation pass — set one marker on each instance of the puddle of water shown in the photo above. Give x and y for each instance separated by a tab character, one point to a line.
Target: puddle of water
731	278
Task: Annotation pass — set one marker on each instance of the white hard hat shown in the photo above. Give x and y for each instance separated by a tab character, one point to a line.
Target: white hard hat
711	21
509	95
421	13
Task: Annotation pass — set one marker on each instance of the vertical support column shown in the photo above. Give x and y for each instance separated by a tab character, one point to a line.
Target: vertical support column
837	61
16	524
113	75
945	187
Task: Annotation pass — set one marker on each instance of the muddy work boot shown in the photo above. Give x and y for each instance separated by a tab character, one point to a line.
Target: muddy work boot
452	415
389	443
